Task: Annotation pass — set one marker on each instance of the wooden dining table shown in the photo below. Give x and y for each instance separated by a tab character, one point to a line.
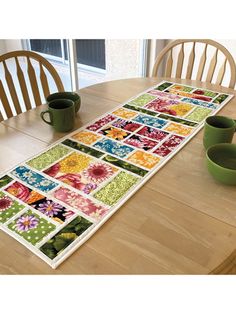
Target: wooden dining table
180	222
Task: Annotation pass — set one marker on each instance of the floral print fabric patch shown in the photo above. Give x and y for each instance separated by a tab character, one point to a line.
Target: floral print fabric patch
129	126
100	123
123	113
172	107
80	203
168	146
53	202
141	142
144	159
152	133
39	202
86	178
154	122
8	207
31	227
33	178
178	129
86	137
114	133
112	147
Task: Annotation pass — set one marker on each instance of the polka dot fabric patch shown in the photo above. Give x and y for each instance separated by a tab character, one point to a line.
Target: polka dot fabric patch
58	199
31	227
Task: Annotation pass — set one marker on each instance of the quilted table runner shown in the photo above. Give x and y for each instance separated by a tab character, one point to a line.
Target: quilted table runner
55	201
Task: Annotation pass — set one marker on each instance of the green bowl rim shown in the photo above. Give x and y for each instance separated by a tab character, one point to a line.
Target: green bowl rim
215	127
215	164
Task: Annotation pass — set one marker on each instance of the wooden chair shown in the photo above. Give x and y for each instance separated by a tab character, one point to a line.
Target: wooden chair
167	53
20	76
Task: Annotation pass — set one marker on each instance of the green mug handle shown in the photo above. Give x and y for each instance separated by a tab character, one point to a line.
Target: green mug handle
42	116
234	125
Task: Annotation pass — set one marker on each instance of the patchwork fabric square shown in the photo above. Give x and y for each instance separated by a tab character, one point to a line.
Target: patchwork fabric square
114	133
114	148
142	100
179	129
141	142
205	92
183	88
140	109
34	179
129	126
199	103
24	193
74	163
49	157
164	94
66	236
220	99
8	207
199	114
144	159
125	165
169	145
5	180
160	102
163	86
124	113
83	148
86	137
53	210
152	133
40	202
100	123
151	121
117	188
179	92
172	107
86	179
31	227
80	203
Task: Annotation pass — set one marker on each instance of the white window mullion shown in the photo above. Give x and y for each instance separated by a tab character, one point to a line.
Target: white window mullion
72	55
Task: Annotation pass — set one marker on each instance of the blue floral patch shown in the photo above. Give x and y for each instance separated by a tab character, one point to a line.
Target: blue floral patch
34	179
114	148
199	103
154	122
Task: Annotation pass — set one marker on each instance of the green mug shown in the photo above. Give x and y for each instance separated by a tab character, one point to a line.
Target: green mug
61	113
66	95
221	162
218	129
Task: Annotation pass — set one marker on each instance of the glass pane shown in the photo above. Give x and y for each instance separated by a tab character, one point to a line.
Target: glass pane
101	60
91	52
47	46
55	51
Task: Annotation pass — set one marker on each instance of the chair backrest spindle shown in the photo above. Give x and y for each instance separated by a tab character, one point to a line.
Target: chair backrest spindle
192	61
10	95
180	61
23	85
